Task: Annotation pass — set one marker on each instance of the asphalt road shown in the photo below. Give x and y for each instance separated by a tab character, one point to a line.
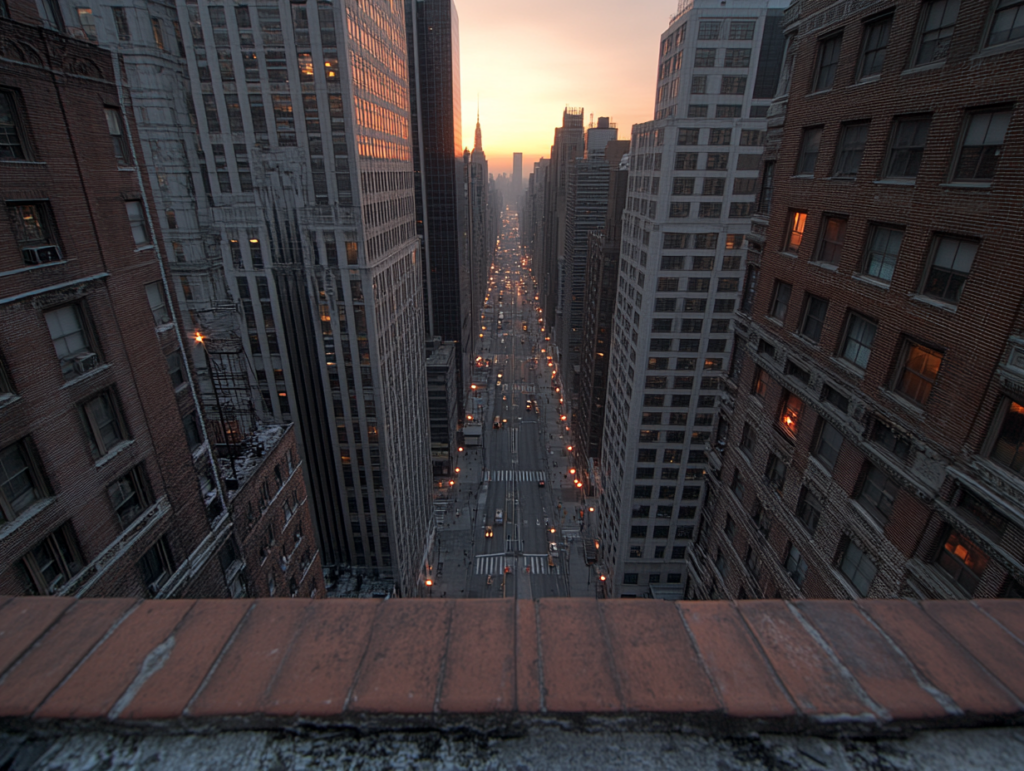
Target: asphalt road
518	559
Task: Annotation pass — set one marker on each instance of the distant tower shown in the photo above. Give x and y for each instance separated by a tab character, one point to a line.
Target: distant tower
517	174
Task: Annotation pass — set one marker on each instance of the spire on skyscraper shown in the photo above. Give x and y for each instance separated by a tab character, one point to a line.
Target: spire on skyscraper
477	139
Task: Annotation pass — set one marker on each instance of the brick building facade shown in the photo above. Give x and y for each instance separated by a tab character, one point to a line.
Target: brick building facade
872	439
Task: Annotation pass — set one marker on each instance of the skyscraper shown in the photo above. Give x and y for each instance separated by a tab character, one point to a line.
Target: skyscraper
435	97
517	175
693	172
875	445
293	121
479	217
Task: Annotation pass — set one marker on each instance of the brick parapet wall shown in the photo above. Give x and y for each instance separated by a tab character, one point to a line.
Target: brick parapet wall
825	666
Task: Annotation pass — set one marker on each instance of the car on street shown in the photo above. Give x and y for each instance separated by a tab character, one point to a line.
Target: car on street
499	516
488	532
540	483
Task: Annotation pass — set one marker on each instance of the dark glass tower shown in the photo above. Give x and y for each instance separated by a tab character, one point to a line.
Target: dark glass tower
433	35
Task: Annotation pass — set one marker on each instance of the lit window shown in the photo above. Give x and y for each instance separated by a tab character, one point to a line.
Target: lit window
87	23
158	35
760	383
795	231
982	145
920	368
963	560
833	233
789	414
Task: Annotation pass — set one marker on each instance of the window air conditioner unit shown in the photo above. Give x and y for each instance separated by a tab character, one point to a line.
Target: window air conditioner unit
39	255
154	588
84	362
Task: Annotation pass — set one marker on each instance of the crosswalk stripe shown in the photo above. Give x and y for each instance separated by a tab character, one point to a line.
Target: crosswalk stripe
508	475
494	564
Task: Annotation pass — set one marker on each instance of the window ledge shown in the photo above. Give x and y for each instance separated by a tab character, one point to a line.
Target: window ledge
86	375
979	186
802	176
788	254
818	93
845	179
165	327
31	267
824	265
114	451
866	81
22	162
10	526
871	281
144	248
923	68
895	182
126	168
905	403
999	48
849	367
925	300
8	398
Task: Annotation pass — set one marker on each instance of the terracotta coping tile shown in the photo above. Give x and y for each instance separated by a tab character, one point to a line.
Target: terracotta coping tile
577	669
528	695
657	664
198	640
941	660
745	680
810	675
994	649
479	671
42	668
22	621
316	677
883	674
251	661
1009	613
402	666
95	687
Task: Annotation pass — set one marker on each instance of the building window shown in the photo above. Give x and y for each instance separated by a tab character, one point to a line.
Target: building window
809	510
697	111
630	578
705	57
137	222
155	295
1008	448
192	433
87	23
963	560
760	383
827	444
737	484
764	200
678	210
815	310
796	566
709	30
131	495
121	23
158	35
13	141
719	136
733	85
855	564
982	515
737	57
950	266
775	472
876	41
789	414
157	565
104	423
175	369
809	147
906	147
918	371
35	232
744	186
688	136
836	399
717	162
55	560
699	85
860	336
71	341
21	480
686	162
797	222
852	140
938	18
748	441
981	146
709	210
1007	22
741	30
877	493
883	249
828	62
830	245
740	210
116	128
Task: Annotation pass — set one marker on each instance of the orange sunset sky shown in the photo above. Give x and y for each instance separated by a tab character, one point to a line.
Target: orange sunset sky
527	60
